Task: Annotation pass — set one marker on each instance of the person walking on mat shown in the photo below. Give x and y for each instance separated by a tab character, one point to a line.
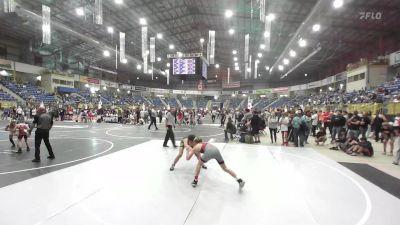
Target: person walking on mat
205	152
169	123
43	123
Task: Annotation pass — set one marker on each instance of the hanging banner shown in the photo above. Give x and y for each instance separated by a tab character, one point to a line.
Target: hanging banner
98	12
256	69
89	80
246	47
122	47
229	75
167	73
280	90
46	24
9	6
152	49
262	10
211	38
144	49
263	91
246	66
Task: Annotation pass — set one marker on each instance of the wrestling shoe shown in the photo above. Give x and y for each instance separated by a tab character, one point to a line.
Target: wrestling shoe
204	167
36	160
19	150
51	157
194	183
172	168
28	149
241	183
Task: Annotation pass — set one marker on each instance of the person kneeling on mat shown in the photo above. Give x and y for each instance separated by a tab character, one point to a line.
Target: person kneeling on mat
204	152
185	144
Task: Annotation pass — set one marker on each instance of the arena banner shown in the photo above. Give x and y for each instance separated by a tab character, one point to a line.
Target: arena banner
180	92
106	83
280	90
126	87
159	90
314	84
393	108
140	88
89	80
263	91
365	107
193	92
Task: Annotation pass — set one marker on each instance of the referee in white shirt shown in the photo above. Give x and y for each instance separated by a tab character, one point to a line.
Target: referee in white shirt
169	123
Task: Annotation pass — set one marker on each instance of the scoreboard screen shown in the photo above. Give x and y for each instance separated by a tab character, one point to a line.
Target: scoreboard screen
184	66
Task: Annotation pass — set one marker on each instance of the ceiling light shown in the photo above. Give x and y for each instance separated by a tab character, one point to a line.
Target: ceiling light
106	53
105	88
156	78
280	67
292	53
228	13
171	47
39	78
271	17
179	54
316	27
150	71
262	46
259	55
159	36
337	4
137	78
142	21
286	61
118	90
249	70
234	52
235	59
168	65
237	68
139	67
79	11
257	61
231	31
158	59
124	61
305	75
217	66
267	68
302	43
216	76
119	2
236	64
147	52
110	30
129	91
267	34
202	40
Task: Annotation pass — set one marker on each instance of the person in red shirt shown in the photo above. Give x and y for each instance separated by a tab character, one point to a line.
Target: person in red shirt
22	130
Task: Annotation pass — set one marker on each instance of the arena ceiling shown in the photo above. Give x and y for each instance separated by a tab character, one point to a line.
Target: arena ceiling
344	36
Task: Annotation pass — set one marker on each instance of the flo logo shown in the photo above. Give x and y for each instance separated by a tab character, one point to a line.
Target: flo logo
370	15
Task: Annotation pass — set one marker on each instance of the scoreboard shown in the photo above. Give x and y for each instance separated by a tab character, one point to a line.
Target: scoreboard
184	66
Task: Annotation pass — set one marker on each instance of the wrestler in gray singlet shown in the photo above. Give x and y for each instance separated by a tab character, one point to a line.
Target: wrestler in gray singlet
211	152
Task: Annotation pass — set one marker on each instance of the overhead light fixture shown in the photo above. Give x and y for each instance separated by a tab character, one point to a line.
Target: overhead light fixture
39	78
286	61
216	76
150	71
259	55
305	75
158	59
266	67
124	61
139	67
168	65
119	2
118	90
147	52
159	36
217	66
3	73
233	95
105	88
137	78
234	52
129	91
106	53
257	61
316	27
80	11
236	64
237	68
142	21
235	59
202	40
292	53
228	13
280	67
262	46
171	46
231	31
337	4
249	70
110	30
156	78
267	34
302	43
271	17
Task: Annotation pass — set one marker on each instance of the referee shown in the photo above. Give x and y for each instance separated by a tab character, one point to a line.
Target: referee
43	123
169	123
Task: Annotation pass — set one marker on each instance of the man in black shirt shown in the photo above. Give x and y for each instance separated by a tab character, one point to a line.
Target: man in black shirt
338	122
353	125
364	123
43	123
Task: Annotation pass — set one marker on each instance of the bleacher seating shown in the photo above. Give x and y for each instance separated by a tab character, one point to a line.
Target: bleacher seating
187	102
6	97
29	91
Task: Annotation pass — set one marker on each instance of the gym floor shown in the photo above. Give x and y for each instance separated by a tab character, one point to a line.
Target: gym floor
113	174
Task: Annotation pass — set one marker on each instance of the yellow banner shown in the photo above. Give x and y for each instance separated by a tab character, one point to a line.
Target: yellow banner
367	107
393	108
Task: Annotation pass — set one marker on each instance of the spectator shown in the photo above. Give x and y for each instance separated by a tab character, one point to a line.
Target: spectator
273	126
321	136
314	123
362	147
338	122
255	123
353	124
388	136
397	135
284	128
364	123
230	128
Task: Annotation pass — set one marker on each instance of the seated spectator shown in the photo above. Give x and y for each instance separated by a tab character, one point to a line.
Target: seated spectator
362	147
341	140
321	136
230	128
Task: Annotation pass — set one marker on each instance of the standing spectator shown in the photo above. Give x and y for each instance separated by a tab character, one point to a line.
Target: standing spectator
298	124
307	118
169	123
353	124
397	135
223	117
230	128
364	123
255	123
396	122
273	126
153	118
314	123
388	136
377	125
213	115
43	123
338	122
160	115
284	128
